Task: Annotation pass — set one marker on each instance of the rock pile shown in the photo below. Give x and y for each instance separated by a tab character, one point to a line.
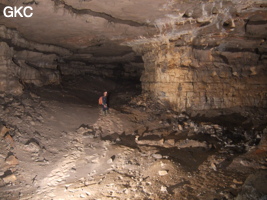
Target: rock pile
181	130
8	161
143	151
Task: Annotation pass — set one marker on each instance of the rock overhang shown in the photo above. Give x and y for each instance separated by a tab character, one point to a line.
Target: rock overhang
190	52
87	26
105	28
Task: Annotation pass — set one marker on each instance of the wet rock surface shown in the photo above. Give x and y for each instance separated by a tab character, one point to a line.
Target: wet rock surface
62	147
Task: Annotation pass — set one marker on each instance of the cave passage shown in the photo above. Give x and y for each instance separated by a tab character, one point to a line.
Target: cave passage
187	96
86	89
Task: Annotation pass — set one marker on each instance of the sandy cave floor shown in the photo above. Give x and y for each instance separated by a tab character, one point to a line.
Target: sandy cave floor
58	145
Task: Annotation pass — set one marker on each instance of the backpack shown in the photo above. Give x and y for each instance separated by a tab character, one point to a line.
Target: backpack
100	101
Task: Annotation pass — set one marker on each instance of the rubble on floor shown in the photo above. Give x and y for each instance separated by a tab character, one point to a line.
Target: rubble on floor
138	152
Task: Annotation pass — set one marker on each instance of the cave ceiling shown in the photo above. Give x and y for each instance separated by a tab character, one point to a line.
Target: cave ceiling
95	27
101	28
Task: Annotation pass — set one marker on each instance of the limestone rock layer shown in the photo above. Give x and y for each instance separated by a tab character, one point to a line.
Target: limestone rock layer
211	56
193	56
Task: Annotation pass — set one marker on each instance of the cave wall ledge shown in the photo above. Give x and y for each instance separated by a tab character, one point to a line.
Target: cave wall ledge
216	65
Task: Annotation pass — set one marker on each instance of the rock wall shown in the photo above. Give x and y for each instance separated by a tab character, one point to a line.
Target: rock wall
208	60
26	62
119	71
197	56
8	81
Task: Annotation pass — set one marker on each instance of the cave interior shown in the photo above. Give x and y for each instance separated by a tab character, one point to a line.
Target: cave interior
187	98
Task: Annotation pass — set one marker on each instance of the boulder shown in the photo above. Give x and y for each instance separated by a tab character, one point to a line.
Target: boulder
10	178
12	160
3	130
163	172
254	187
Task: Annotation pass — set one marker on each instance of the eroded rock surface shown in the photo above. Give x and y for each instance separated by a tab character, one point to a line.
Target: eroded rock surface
198	131
207	60
196	57
135	152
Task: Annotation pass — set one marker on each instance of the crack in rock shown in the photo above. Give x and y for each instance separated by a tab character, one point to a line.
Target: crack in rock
105	16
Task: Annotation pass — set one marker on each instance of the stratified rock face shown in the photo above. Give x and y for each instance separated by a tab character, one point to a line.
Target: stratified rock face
211	56
200	56
127	71
26	62
8	81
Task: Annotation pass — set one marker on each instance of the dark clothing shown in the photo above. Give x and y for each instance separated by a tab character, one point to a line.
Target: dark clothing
104	100
104	103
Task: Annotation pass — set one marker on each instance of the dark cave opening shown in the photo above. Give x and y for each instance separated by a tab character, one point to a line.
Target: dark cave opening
82	86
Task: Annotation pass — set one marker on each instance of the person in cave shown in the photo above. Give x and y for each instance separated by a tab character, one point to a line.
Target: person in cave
105	103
